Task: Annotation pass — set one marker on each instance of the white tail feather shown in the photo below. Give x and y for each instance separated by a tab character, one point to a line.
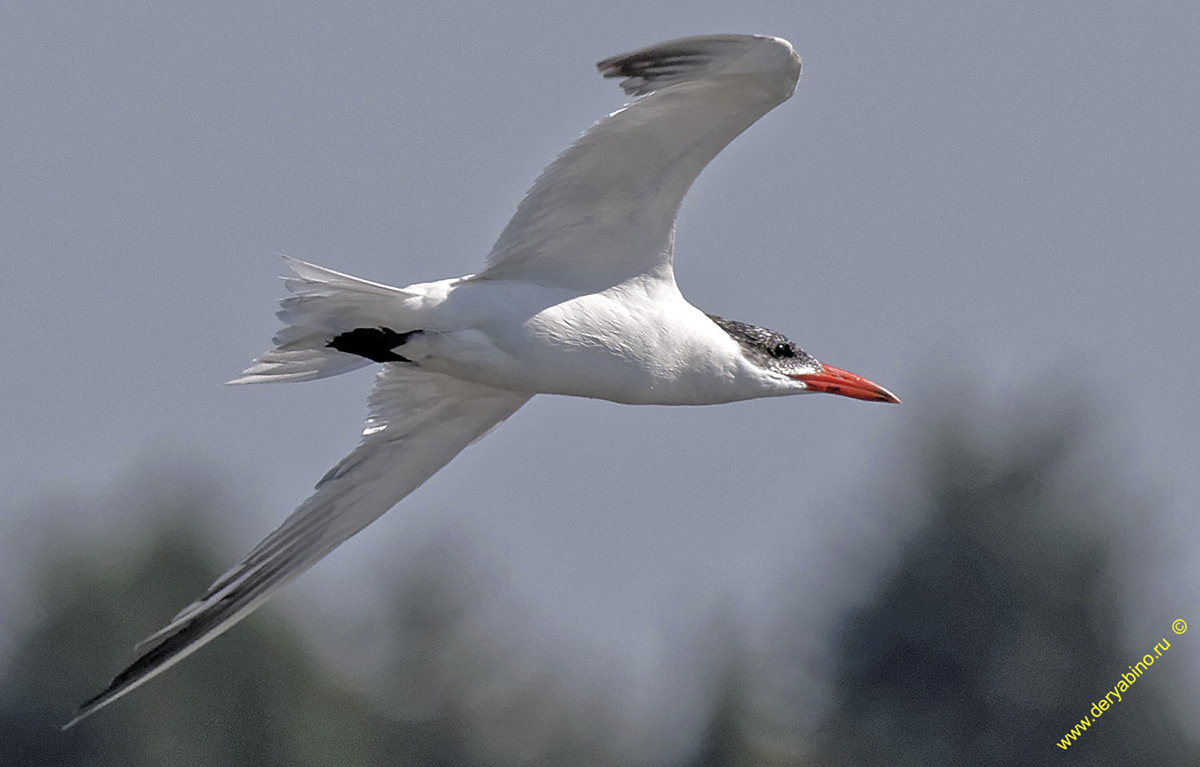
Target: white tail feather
323	304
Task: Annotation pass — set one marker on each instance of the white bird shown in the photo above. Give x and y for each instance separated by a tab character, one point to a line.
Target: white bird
577	297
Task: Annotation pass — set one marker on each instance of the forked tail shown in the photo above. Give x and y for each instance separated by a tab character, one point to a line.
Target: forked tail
324	304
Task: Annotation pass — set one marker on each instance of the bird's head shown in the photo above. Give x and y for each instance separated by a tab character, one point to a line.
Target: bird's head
794	370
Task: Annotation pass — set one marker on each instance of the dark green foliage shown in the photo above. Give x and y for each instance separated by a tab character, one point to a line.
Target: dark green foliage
998	626
255	698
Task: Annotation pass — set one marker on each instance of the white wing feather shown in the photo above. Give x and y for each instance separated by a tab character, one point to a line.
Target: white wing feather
418	422
604	210
602	213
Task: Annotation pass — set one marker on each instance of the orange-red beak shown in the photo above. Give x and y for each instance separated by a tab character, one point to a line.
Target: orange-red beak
833	380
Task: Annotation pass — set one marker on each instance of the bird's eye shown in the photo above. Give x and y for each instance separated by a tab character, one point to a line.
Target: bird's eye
783	350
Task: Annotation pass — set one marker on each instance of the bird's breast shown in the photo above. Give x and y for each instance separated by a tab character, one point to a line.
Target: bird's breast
628	345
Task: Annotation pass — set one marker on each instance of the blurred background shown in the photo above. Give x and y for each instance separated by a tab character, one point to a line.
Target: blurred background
989	210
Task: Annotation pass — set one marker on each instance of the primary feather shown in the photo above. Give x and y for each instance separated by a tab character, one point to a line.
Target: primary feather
577	297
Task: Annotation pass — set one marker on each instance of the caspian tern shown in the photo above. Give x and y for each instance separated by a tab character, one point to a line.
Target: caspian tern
577	297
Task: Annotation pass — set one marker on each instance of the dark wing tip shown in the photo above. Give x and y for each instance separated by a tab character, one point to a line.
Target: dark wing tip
646	71
149	664
689	58
181	640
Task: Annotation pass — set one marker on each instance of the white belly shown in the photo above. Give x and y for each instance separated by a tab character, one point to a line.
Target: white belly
628	344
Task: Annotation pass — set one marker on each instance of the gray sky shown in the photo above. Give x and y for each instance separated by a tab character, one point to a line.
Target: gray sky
987	193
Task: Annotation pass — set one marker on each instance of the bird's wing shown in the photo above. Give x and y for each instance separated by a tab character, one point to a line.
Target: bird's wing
418	422
604	210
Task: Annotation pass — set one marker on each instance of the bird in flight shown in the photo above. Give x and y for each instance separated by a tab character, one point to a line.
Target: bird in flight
577	297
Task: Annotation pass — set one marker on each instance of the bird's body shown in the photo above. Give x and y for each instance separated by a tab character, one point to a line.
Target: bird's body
578	297
639	342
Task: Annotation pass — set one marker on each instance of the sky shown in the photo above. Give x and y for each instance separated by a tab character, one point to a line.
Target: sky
992	197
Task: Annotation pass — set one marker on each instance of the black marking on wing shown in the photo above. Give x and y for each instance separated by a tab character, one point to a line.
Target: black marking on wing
651	63
376	344
677	61
182	639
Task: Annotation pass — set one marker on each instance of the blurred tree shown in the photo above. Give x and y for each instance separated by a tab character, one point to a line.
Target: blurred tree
990	638
730	739
255	696
1000	627
252	698
466	657
995	632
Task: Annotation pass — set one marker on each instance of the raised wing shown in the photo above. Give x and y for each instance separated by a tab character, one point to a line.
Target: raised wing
418	422
604	210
